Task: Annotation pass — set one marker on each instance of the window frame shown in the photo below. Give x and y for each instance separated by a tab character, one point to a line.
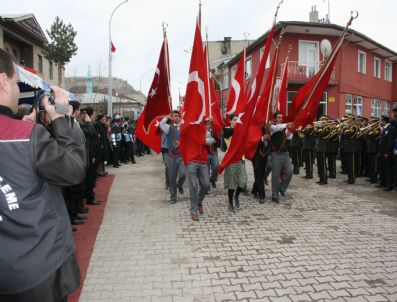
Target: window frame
385	112
388	72
377	108
365	62
351	103
40	63
379	69
355	106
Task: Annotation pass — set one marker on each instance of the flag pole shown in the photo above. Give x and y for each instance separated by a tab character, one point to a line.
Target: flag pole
284	71
273	79
166	63
208	71
327	64
199	16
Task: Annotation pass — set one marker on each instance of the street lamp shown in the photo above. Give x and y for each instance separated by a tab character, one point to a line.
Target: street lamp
110	111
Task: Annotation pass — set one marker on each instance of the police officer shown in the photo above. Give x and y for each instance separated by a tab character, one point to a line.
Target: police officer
116	138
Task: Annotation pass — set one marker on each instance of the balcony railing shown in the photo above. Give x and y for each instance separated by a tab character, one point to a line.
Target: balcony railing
302	73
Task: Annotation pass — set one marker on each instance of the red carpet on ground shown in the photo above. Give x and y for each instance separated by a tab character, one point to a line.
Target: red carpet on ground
85	235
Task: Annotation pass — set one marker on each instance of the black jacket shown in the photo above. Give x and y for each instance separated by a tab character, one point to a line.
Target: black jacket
35	232
386	141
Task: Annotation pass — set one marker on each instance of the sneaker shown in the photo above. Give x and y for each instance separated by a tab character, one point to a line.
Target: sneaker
213	184
181	191
231	209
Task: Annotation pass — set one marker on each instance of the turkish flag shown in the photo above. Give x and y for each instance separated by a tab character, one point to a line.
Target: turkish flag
193	129
112	47
260	114
152	137
158	102
237	146
282	94
218	122
304	105
235	104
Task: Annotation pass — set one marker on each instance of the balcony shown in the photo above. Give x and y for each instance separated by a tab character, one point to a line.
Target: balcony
301	74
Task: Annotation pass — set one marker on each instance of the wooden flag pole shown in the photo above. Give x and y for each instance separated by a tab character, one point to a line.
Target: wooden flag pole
167	63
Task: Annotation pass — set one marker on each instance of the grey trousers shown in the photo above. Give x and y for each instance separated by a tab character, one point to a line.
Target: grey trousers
198	175
280	161
213	164
175	167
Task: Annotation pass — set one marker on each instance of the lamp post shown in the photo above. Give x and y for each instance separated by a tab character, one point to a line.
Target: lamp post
110	111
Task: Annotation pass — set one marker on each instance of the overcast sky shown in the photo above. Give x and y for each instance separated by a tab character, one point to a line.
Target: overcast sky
137	28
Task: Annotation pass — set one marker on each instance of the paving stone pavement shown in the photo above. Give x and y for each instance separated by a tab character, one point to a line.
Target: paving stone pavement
321	243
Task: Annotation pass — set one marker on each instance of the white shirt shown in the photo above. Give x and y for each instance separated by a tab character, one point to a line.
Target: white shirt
280	127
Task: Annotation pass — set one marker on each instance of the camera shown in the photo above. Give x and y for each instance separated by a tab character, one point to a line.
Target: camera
39	104
40	96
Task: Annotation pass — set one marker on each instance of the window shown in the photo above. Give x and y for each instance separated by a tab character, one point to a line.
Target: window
267	60
358	105
233	72
309	56
377	65
290	97
362	62
388	70
322	108
376	106
40	63
51	72
386	108
348	104
248	68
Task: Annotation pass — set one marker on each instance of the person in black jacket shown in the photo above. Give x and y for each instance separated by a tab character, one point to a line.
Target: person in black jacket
37	258
100	126
386	154
94	152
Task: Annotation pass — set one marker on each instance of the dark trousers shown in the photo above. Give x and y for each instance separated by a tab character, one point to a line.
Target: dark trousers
364	163
351	166
308	159
259	165
130	152
74	199
357	162
116	154
140	148
90	182
331	160
372	167
321	166
343	159
395	170
386	171
295	157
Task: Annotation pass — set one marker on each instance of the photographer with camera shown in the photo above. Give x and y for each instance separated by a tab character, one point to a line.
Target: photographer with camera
37	258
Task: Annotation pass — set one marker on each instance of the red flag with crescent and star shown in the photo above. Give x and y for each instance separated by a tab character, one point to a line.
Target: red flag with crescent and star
193	128
152	137
158	101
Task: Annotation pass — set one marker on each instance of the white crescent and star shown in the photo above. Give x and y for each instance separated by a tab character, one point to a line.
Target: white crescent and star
194	77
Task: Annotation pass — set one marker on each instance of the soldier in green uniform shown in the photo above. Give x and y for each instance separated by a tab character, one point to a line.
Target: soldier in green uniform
350	149
294	148
309	141
372	141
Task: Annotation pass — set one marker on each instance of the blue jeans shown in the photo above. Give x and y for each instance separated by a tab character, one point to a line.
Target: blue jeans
280	161
198	175
213	164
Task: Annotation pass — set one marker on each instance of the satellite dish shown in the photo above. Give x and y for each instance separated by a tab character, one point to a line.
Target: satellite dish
325	47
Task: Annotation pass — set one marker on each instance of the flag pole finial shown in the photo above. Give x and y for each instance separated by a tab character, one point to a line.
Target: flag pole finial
165	25
278	6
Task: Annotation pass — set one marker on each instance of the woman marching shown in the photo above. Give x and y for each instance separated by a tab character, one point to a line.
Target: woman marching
235	178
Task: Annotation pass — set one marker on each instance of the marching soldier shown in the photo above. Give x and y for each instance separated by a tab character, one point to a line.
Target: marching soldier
294	148
332	151
350	149
321	148
372	141
308	144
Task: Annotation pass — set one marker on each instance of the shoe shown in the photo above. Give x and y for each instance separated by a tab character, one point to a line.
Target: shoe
195	217
81	217
282	193
321	182
237	201
231	209
201	209
332	176
93	202
296	172
84	210
74	229
76	221
350	182
368	180
173	202
255	195
181	191
388	189
373	181
213	184
261	200
102	173
308	177
133	162
274	199
379	186
115	166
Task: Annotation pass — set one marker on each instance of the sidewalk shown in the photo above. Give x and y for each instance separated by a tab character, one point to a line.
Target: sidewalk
335	243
